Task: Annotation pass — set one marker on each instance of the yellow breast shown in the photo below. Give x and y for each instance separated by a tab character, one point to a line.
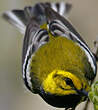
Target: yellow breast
59	53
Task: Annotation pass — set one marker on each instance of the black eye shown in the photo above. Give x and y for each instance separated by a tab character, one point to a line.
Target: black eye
69	81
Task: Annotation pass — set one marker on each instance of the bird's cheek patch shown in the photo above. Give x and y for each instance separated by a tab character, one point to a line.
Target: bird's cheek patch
55	84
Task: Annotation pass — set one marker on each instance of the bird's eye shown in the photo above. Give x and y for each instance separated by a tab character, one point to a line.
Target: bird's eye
69	81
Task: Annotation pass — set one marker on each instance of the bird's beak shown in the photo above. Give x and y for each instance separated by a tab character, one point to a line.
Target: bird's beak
82	92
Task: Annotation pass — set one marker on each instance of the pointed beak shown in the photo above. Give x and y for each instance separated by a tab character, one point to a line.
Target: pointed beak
82	92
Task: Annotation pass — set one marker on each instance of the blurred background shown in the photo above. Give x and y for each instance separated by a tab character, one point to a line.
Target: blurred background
13	94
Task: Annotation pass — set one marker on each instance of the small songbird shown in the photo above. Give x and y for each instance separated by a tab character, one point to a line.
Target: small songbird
56	62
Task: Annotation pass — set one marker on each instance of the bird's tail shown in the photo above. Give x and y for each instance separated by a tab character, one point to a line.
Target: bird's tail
20	18
61	7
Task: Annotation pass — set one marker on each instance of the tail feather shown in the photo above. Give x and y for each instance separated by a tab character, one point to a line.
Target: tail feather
61	7
16	18
28	13
20	18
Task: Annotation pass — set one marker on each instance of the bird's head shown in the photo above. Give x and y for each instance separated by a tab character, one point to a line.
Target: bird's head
64	83
60	85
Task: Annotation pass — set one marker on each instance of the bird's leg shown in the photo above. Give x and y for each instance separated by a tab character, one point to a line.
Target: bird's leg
96	49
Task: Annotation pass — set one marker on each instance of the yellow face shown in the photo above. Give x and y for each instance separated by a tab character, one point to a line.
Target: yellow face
63	83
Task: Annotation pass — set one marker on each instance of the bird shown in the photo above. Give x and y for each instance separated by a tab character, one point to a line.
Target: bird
57	63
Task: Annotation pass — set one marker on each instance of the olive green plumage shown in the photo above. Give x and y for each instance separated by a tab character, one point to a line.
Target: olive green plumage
62	54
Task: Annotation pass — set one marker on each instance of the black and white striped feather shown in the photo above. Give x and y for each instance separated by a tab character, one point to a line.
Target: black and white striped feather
61	7
20	18
34	38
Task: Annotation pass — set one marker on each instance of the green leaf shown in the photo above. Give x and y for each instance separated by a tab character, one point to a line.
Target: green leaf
93	95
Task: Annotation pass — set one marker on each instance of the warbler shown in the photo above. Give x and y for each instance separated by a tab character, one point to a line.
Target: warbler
57	64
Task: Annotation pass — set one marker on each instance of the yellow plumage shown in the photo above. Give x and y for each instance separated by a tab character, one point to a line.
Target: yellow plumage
63	54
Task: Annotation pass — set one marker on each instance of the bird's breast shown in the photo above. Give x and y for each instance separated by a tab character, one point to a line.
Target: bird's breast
59	53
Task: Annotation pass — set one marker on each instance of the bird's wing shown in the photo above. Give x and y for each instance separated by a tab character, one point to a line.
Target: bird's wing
34	38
